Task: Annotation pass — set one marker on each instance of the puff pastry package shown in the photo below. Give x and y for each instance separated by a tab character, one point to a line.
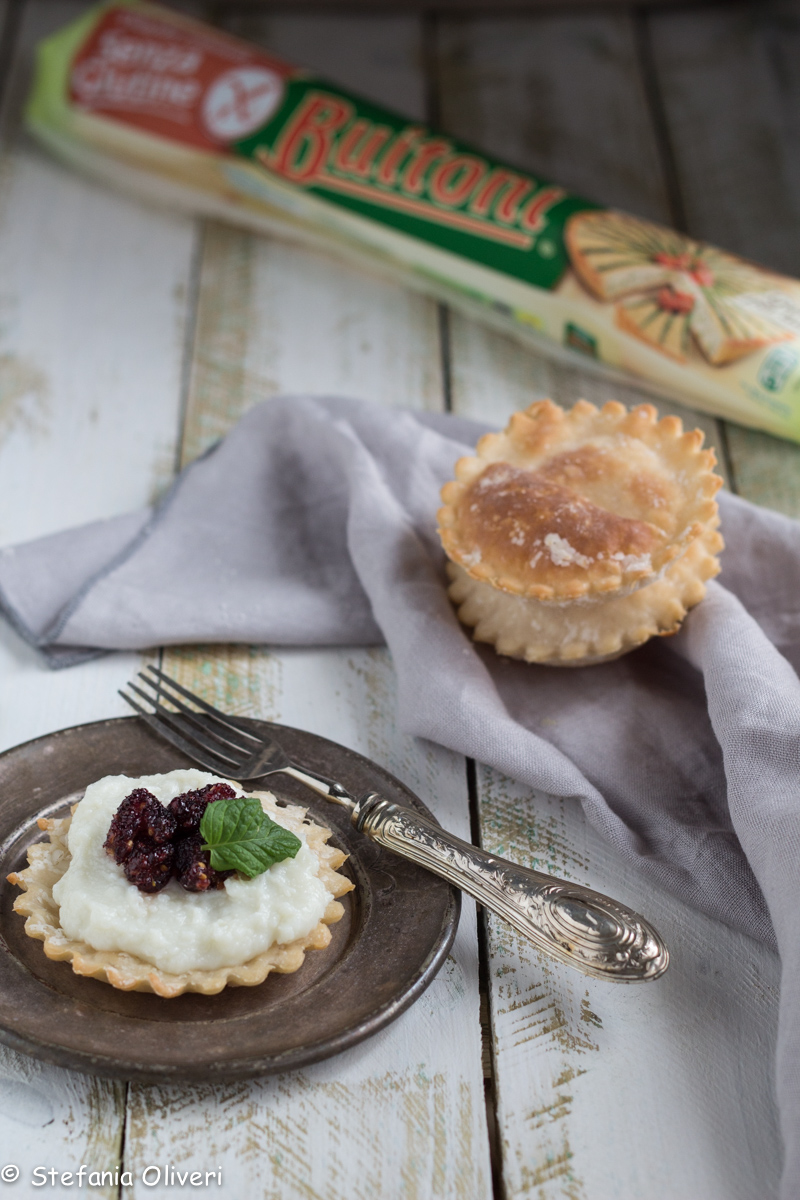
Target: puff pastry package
576	536
154	102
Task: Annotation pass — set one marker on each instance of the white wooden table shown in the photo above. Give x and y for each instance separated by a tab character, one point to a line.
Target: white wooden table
131	338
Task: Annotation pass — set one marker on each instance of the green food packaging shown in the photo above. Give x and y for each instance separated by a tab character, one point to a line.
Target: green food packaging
156	103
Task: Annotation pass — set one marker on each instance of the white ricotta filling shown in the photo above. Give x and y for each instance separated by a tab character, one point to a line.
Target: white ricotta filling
174	929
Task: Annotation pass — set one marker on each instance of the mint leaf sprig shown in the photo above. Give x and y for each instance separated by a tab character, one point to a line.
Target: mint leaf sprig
241	837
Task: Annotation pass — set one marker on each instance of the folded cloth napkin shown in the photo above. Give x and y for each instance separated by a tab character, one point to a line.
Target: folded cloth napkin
313	523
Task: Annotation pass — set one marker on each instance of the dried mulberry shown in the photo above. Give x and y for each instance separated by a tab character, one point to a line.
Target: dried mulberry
149	866
189	807
139	816
193	867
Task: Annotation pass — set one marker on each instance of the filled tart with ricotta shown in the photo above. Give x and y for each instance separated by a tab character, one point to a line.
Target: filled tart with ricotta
128	891
576	536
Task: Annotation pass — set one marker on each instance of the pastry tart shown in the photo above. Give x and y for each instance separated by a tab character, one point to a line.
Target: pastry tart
49	861
577	536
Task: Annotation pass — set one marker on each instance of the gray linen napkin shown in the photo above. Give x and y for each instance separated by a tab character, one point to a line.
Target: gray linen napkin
314	523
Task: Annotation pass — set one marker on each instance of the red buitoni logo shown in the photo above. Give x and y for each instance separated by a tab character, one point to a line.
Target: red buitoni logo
304	145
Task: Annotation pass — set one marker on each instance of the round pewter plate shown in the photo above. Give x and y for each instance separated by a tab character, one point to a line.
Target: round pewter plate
398	926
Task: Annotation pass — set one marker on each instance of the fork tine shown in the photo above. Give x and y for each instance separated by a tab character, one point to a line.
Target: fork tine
193	717
172	736
176	722
180	722
224	718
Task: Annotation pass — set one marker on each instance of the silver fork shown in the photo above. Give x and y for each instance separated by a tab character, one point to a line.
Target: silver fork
574	924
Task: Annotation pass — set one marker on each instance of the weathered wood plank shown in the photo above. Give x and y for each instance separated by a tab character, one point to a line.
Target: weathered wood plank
455	6
560	96
579	1064
381	59
94	301
657	1091
50	1118
730	95
766	470
275	317
95	295
8	40
731	104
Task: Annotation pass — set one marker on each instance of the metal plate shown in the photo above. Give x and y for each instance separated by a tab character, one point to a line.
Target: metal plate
398	926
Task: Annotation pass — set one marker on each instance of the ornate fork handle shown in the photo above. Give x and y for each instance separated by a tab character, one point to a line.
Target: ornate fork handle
580	927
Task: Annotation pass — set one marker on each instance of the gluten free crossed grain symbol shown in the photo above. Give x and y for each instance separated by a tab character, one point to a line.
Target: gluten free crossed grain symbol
241	100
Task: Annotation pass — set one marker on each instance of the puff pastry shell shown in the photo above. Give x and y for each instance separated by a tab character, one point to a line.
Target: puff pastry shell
576	536
49	860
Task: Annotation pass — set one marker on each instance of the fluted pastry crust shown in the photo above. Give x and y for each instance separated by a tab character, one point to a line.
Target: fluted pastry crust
48	861
575	536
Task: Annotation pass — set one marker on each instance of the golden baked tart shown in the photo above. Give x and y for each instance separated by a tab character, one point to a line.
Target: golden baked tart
166	939
577	536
